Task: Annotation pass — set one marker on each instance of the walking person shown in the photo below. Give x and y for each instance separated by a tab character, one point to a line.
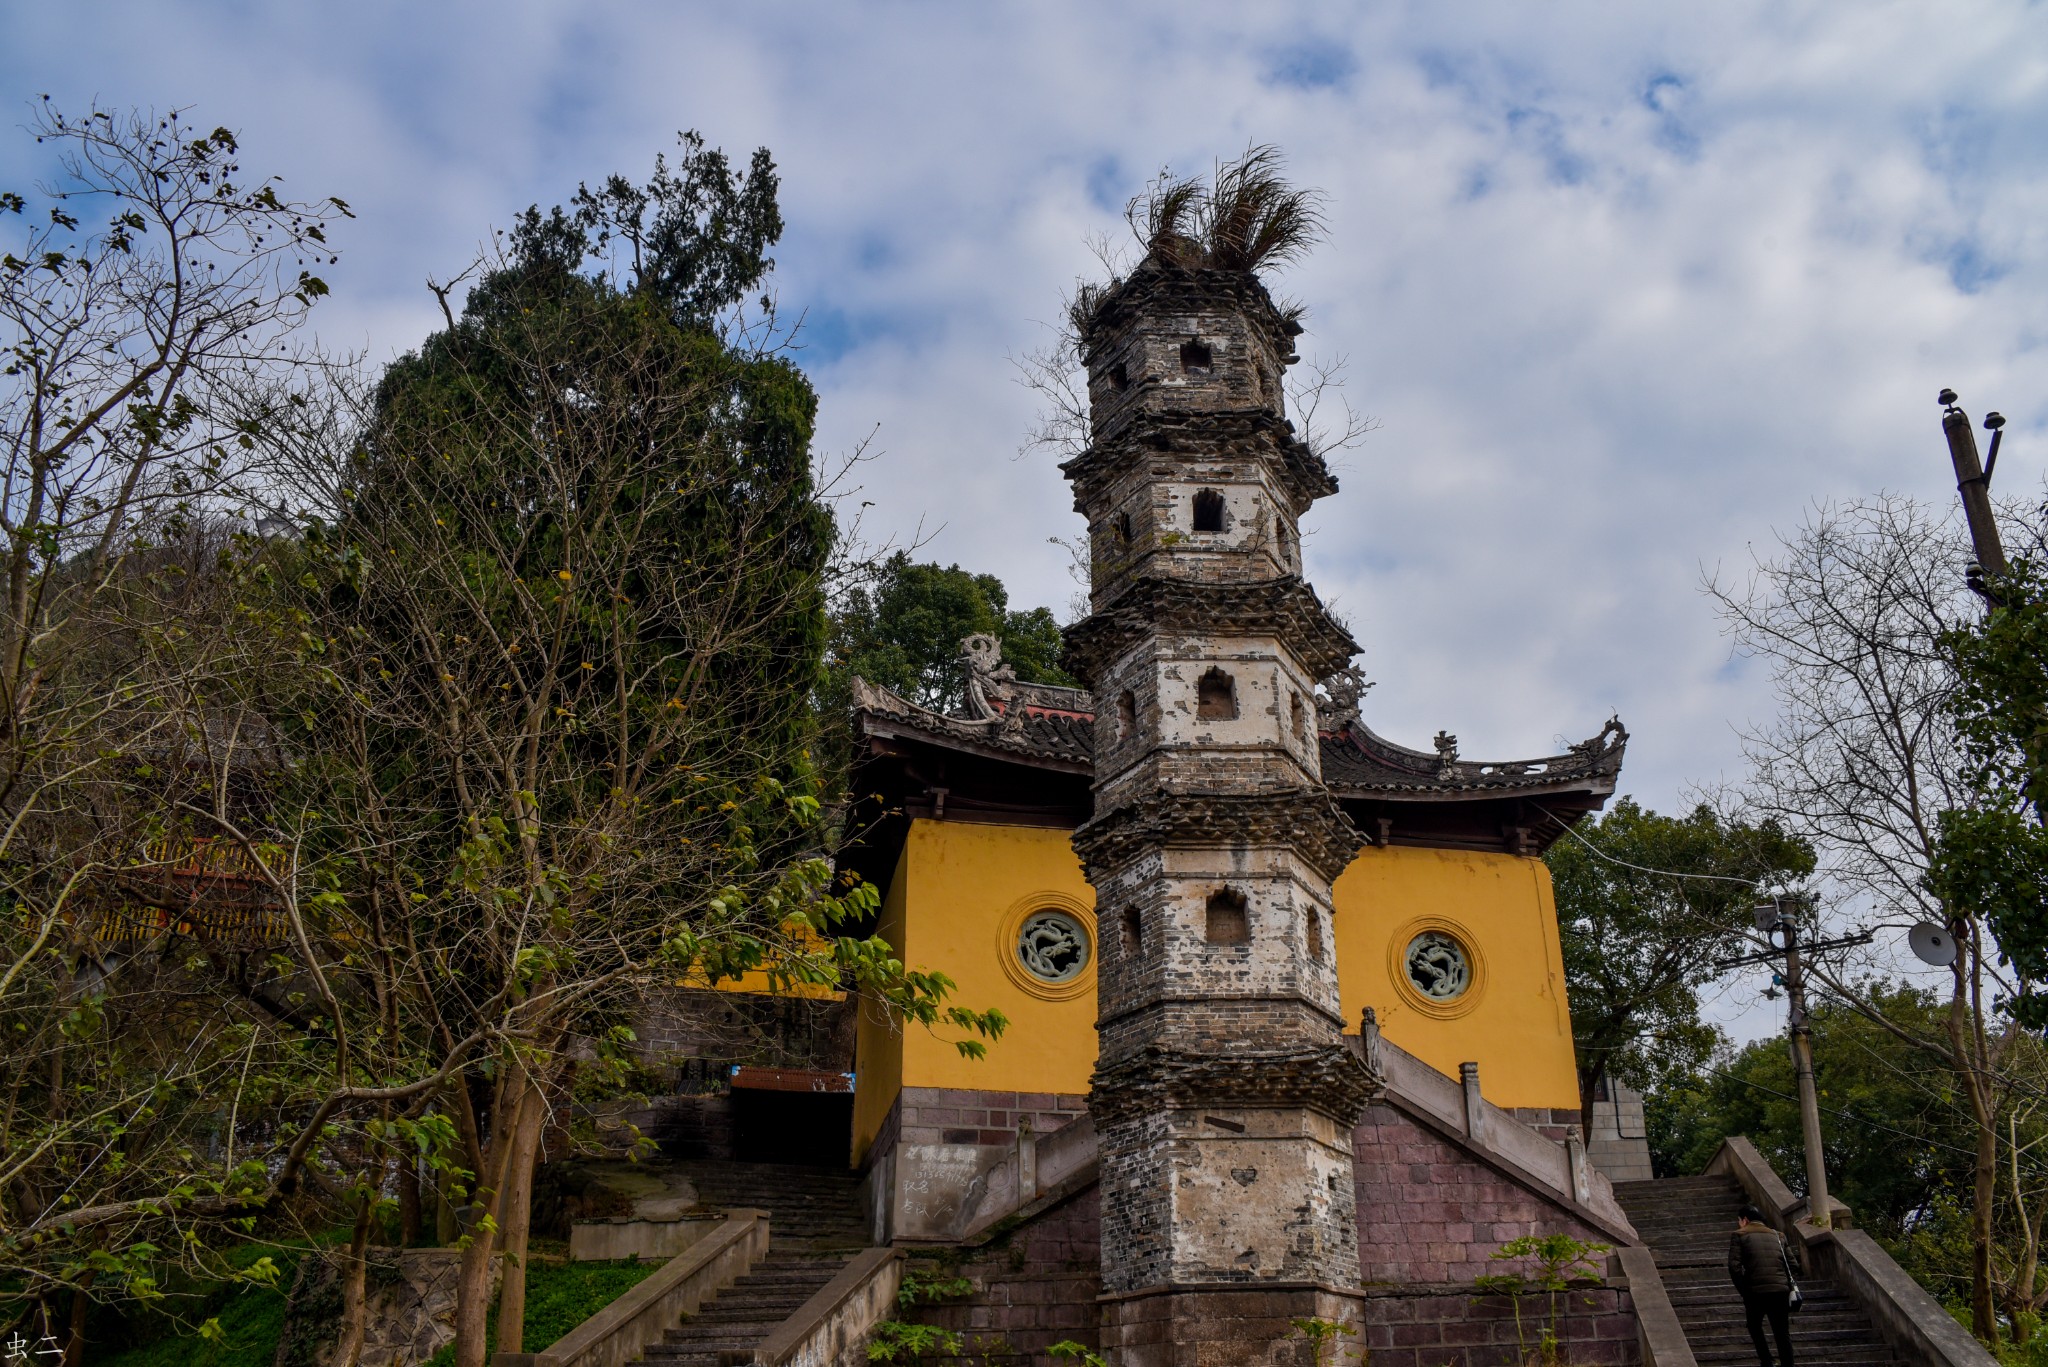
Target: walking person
1762	1272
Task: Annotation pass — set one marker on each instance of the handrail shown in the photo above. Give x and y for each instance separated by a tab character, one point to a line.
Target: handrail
1911	1321
831	1325
621	1332
1454	1110
1658	1329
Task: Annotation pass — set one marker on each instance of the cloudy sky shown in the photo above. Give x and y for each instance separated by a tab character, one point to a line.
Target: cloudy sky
1625	288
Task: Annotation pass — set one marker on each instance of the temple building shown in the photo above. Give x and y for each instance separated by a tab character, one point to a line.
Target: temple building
1288	1076
1287	1006
1443	923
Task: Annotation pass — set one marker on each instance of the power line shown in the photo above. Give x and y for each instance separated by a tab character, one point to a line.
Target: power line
1640	868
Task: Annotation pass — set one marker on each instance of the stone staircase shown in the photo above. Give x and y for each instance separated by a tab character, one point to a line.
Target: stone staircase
817	1225
730	1325
1686	1222
816	1209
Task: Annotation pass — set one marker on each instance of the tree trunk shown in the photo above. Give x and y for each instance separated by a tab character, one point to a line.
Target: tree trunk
1589	1089
348	1348
1983	1309
516	1216
408	1198
473	1278
1984	1188
81	1299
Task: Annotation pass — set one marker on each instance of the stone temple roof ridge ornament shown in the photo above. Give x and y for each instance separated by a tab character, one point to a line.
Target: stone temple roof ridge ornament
995	696
1337	703
1446	754
988	678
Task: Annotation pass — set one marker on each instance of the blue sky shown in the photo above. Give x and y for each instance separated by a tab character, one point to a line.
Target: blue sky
1626	288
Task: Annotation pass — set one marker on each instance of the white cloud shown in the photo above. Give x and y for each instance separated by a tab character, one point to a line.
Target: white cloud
1627	287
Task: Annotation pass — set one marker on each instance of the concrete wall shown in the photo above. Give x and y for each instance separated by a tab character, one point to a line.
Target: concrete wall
957	888
1515	1021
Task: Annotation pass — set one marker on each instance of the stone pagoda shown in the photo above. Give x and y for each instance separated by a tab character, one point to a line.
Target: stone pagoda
1224	1094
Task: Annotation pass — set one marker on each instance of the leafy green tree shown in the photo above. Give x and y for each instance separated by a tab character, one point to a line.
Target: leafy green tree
152	294
1639	943
557	645
1992	855
903	631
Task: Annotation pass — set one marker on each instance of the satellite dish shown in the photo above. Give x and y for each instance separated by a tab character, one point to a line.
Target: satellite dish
1932	944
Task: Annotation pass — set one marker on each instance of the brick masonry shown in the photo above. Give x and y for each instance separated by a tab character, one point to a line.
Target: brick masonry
1034	1286
1457	1327
1430	1217
1038	1284
1429	1214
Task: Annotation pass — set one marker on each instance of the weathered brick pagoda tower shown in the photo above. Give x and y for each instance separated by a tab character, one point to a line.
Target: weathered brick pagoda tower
1223	1093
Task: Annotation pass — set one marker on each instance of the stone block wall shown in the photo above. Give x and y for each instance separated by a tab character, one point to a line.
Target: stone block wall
1552	1122
953	1115
1456	1327
1429	1214
409	1314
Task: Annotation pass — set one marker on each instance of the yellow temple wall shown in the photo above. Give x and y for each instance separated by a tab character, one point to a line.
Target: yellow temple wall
878	1040
960	889
953	907
1515	1021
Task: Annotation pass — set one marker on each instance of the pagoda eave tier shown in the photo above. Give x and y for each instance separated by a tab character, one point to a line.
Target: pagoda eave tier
1232	434
1189	290
1330	1079
1285	608
1307	821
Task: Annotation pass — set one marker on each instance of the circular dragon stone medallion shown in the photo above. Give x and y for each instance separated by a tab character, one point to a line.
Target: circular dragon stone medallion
1053	946
1438	966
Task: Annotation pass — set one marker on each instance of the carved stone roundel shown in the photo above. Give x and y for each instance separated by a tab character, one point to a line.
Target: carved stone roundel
1438	966
1053	945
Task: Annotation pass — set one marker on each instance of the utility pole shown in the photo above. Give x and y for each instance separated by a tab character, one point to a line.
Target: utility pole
1772	918
1973	482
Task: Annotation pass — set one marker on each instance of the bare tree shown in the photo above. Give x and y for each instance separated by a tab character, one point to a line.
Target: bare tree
1861	760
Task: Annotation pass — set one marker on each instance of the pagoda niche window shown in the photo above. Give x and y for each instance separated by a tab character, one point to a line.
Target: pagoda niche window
1119	377
1126	715
1216	697
1229	921
1315	935
1134	935
1196	359
1300	717
1208	510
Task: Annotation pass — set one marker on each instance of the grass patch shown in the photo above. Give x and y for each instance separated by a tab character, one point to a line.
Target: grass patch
560	1296
251	1321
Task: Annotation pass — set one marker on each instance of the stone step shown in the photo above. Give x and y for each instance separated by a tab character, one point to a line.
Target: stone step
1687	1223
738	1318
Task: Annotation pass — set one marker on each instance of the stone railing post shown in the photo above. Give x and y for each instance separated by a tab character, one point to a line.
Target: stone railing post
1027	1162
1475	1112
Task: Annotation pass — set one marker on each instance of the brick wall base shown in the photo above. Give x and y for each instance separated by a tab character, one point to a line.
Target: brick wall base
1444	1326
954	1115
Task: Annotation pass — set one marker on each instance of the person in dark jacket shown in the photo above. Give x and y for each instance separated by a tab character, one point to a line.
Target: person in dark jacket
1758	1266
